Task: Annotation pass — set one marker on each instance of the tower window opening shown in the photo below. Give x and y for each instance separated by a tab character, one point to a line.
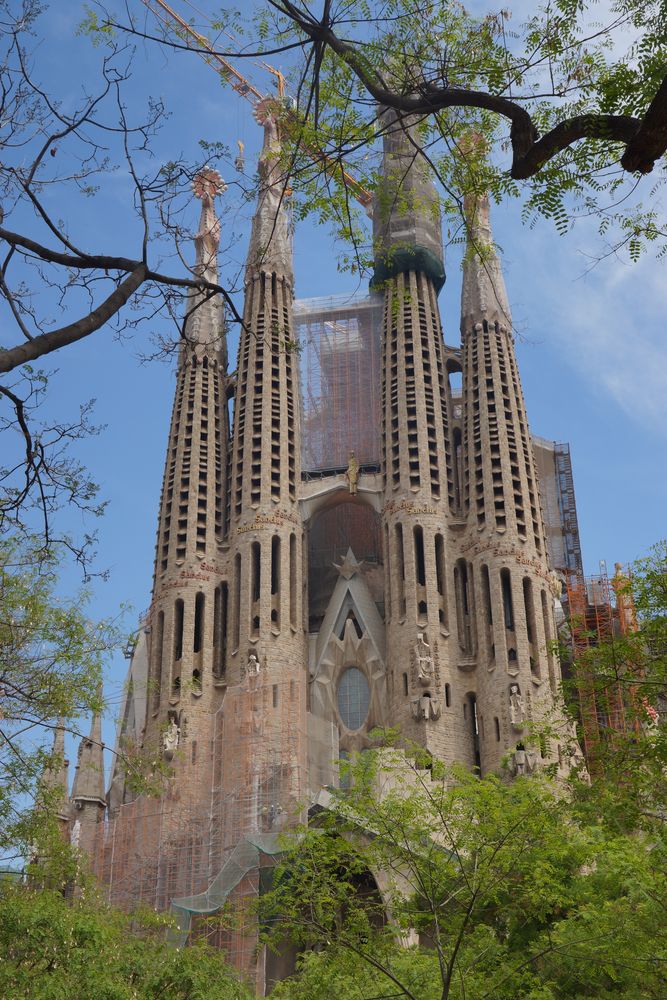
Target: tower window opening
508	607
292	579
496	723
400	560
486	589
178	629
405	684
157	660
220	624
448	695
199	622
274	695
420	563
275	564
255	582
237	599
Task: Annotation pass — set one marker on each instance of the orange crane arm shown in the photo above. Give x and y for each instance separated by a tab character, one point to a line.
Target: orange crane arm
243	87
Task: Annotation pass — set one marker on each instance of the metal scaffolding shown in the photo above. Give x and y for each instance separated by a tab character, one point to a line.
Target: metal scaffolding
339	338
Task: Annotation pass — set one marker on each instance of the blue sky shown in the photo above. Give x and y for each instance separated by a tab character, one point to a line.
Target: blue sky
592	348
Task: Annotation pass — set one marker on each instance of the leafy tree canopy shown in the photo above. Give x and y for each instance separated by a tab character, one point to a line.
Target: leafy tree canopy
54	949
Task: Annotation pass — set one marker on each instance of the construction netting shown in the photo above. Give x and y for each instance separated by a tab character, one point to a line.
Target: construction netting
199	843
339	339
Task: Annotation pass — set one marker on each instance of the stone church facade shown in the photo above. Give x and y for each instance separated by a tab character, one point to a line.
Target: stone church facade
298	605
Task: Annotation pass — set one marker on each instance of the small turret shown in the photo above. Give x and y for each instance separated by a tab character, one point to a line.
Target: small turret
55	779
88	796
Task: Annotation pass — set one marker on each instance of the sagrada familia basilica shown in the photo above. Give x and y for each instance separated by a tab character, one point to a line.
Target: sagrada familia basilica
372	540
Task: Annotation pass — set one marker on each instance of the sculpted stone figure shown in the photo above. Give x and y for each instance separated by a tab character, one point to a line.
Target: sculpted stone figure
555	585
424	660
170	739
517	707
425	707
522	761
75	835
352	474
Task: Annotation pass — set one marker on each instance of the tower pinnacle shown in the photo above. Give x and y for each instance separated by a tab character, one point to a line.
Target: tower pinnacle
407	231
270	247
89	778
483	294
55	778
206	185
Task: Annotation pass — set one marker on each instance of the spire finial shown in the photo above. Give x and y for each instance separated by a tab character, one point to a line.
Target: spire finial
206	185
270	247
483	294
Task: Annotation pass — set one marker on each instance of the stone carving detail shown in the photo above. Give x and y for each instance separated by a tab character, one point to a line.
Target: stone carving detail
424	659
522	761
555	585
352	474
517	707
75	835
170	739
425	707
251	668
425	664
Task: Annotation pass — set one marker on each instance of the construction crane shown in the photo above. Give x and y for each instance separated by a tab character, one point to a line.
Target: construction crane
245	88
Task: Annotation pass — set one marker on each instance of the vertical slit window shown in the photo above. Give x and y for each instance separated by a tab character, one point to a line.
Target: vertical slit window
157	660
199	623
400	560
237	600
292	580
255	585
275	581
420	564
508	607
486	590
178	629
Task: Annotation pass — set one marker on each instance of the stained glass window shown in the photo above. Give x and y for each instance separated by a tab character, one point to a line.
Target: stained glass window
353	698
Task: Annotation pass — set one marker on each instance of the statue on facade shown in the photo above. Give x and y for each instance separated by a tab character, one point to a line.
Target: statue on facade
352	474
170	739
517	707
522	761
75	835
555	585
424	707
424	660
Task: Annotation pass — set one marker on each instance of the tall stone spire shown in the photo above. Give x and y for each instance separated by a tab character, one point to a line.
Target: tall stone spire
183	654
507	605
417	447
266	636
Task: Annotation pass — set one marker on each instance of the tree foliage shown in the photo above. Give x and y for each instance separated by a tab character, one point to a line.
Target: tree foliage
501	889
51	657
54	949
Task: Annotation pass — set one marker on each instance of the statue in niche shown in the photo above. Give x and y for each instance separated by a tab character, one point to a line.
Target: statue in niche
251	668
517	707
522	761
425	707
75	835
352	474
170	739
424	660
555	585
